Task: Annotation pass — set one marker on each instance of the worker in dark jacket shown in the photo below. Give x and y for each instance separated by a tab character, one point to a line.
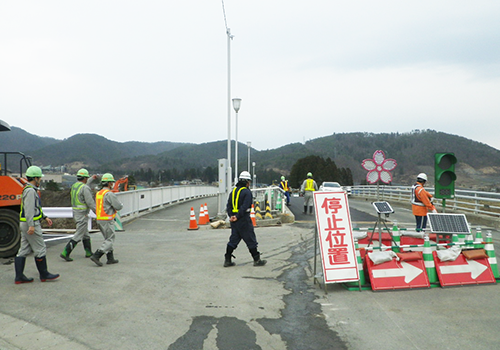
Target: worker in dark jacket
30	218
238	208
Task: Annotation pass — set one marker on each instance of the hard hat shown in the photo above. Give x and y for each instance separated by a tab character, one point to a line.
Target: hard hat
309	175
282	178
82	173
245	175
34	171
422	176
107	178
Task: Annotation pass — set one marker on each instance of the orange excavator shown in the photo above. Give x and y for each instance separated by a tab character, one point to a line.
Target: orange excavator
11	190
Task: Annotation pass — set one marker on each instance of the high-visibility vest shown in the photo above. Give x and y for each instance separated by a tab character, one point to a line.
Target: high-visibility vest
236	198
75	193
99	206
284	184
414	198
38	206
309	185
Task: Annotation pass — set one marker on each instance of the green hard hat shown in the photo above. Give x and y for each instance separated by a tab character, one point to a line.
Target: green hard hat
34	171
107	178
282	178
82	173
309	175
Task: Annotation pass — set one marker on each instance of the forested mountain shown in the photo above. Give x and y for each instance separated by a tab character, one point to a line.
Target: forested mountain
478	164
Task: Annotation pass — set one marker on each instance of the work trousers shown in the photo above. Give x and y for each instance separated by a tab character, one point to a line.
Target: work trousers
243	230
108	232
81	218
32	243
308	198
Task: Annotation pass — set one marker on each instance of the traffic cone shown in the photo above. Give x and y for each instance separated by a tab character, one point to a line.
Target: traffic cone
258	215
490	251
201	218
430	267
268	211
479	238
252	216
396	238
207	217
192	221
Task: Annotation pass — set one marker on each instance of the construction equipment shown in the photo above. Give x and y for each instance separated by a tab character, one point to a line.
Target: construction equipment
11	190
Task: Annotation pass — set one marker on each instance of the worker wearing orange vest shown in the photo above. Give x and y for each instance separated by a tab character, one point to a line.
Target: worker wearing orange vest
307	189
107	204
238	209
30	217
421	202
286	189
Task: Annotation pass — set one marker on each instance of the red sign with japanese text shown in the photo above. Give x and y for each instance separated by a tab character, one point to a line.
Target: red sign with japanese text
336	242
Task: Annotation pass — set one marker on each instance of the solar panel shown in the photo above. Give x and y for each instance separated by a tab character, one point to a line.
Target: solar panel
448	223
383	207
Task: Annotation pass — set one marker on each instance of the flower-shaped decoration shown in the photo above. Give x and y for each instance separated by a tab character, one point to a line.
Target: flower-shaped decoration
379	168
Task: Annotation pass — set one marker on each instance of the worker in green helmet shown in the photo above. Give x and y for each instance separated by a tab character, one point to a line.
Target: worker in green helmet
307	189
107	205
82	201
30	217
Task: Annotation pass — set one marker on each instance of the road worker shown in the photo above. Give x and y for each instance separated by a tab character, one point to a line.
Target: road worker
30	217
421	202
307	189
286	189
82	201
238	209
107	205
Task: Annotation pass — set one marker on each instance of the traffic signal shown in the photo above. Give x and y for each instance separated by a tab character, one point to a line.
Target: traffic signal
444	175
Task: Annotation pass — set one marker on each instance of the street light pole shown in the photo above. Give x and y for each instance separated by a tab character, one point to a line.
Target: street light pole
236	106
229	170
254	177
249	145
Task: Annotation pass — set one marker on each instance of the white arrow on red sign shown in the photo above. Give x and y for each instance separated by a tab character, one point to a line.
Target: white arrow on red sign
408	271
473	267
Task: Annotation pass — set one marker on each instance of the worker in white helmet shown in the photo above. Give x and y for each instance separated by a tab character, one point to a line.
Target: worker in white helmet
238	209
421	202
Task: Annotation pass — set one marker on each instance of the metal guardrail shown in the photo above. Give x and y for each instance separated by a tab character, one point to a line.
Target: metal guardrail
474	202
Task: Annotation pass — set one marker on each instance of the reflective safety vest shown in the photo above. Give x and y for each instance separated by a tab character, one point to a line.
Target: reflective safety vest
38	206
75	193
284	184
309	185
414	198
99	206
236	198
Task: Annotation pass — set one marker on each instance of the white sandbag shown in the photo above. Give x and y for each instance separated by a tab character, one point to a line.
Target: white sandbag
413	234
359	235
449	254
382	257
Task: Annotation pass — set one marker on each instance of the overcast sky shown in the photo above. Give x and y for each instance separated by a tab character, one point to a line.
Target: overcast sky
157	70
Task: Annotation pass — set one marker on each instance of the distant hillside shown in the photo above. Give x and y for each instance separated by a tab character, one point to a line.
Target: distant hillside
478	164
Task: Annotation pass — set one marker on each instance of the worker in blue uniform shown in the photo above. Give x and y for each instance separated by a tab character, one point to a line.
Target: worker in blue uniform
238	209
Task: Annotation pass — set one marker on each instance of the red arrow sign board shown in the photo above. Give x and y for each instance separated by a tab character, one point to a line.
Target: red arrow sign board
463	271
397	274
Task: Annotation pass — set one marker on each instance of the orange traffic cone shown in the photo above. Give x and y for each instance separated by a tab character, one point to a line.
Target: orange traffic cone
201	219
207	217
192	221
252	216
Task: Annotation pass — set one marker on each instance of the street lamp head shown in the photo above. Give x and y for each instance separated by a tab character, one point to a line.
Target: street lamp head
236	104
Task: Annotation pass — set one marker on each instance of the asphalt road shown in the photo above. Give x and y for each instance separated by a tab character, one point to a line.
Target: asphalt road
170	291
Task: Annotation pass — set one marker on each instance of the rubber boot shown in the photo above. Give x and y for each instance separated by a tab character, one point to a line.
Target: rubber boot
96	256
67	250
19	263
88	247
111	258
41	264
310	210
228	256
305	209
256	258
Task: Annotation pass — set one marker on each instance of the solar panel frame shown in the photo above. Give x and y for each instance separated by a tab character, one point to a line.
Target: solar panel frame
448	223
383	207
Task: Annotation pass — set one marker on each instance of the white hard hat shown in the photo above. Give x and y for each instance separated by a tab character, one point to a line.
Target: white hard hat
422	176
245	175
